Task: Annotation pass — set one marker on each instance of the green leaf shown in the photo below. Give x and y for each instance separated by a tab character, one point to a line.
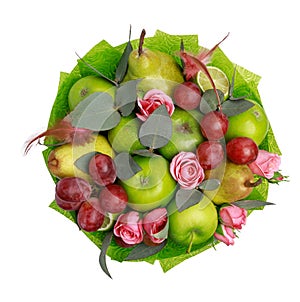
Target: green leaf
142	251
126	166
126	97
102	258
231	108
210	184
156	131
187	198
82	163
123	63
96	112
251	204
209	101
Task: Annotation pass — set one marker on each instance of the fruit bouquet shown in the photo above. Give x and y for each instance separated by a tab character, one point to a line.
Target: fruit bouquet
159	148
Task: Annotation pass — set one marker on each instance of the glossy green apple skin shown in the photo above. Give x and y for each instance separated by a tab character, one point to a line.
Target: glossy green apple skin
252	123
87	86
186	134
153	186
124	137
195	224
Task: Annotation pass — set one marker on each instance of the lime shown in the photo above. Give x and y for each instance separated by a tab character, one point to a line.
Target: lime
219	77
108	222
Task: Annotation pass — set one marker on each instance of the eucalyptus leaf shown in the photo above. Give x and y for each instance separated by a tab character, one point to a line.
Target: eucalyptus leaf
126	96
187	198
82	163
142	251
163	234
145	153
210	184
102	258
231	108
251	204
156	131
123	63
96	112
209	101
126	166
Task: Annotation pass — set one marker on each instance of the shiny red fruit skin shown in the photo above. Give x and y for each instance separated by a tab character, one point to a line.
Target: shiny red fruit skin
90	217
71	192
210	154
214	125
187	96
113	198
102	169
241	150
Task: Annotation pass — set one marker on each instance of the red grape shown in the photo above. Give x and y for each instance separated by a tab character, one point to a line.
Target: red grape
241	150
71	192
214	125
102	169
187	95
113	198
210	154
90	217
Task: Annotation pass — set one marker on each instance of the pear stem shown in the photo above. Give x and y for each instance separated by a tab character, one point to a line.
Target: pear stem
142	37
250	184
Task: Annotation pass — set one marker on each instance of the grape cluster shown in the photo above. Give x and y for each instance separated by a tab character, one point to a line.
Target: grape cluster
239	150
77	194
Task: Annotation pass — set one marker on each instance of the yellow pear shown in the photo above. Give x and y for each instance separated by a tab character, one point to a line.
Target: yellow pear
157	69
237	182
61	160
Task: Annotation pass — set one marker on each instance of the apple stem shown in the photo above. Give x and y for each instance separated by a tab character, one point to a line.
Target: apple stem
190	244
142	37
250	184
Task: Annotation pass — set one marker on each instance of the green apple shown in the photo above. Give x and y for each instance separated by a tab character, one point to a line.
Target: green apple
151	187
124	137
252	123
186	133
194	225
87	86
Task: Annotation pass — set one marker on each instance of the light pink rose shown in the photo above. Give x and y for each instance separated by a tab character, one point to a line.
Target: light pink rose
152	100
225	234
129	228
233	216
266	164
186	170
154	222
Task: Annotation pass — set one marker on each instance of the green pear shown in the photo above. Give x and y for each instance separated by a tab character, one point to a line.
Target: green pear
157	69
124	137
237	182
194	225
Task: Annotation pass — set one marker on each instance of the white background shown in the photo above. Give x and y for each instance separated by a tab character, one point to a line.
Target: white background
43	257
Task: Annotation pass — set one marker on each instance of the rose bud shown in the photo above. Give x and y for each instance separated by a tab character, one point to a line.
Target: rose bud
155	224
186	170
129	228
266	164
233	216
151	101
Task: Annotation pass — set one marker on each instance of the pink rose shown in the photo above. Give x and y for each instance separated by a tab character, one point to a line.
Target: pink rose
233	216
266	164
186	170
154	222
152	100
225	234
129	228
